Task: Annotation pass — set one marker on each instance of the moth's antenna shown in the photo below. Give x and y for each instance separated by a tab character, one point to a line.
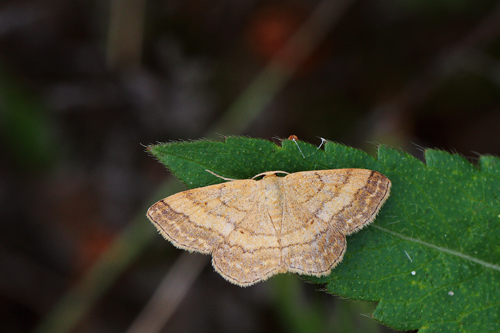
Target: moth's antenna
216	175
269	173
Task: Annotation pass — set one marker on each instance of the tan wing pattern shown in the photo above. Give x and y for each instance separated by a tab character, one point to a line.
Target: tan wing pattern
200	219
347	199
256	229
251	253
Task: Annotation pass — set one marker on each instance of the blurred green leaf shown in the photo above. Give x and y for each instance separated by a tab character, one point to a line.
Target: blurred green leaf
25	129
431	259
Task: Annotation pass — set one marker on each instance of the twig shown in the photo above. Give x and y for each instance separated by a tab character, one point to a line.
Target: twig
169	294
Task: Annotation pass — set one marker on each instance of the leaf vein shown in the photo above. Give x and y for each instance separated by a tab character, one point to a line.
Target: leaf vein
442	249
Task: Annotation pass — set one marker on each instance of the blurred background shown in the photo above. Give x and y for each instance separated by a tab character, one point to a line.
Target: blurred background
84	85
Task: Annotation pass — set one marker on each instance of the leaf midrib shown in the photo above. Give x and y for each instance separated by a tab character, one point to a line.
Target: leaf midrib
442	249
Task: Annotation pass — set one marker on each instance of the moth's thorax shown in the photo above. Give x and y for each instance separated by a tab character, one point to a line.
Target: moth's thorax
273	197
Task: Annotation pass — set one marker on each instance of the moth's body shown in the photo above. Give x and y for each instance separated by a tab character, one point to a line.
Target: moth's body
273	201
257	228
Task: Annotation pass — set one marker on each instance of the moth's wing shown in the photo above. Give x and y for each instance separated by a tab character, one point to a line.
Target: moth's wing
251	252
309	245
200	219
347	199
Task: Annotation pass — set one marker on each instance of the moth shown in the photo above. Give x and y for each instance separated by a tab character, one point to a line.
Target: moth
255	229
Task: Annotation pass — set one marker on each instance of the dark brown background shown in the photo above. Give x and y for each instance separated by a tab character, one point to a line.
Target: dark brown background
84	84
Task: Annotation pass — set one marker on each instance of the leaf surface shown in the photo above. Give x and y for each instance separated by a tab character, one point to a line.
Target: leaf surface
432	257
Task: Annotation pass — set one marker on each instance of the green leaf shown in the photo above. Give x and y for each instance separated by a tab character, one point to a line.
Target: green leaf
432	257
